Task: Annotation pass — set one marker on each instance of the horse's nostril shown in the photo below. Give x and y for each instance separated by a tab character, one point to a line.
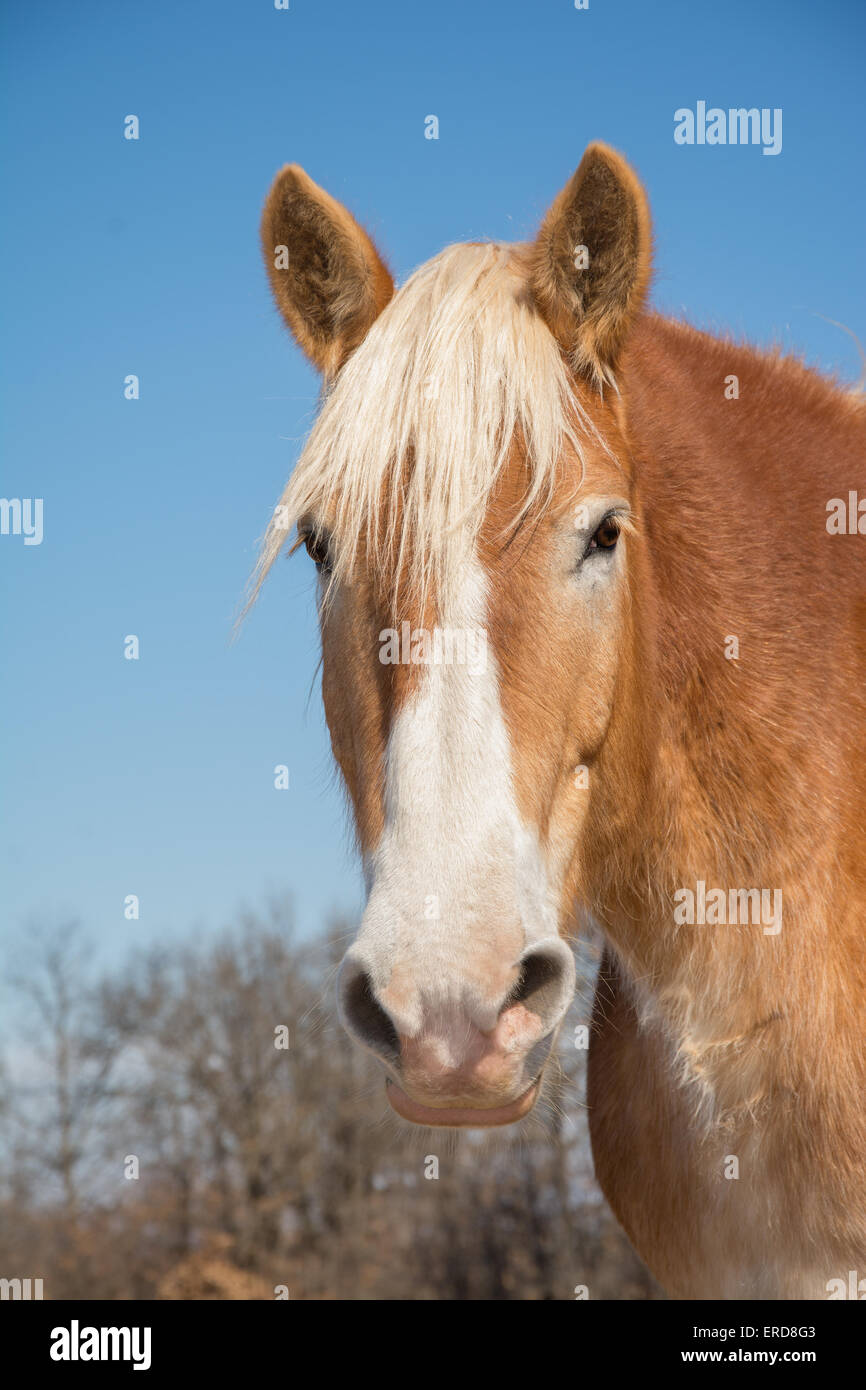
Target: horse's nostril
452	1034
365	1019
546	983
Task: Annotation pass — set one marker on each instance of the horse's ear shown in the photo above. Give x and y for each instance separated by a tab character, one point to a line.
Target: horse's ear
591	260
328	279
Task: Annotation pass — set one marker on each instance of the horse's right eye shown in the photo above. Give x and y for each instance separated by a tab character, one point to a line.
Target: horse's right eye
318	548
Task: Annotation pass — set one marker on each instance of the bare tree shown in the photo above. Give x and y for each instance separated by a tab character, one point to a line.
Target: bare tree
264	1151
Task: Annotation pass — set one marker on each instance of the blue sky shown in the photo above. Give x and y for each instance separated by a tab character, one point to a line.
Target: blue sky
155	776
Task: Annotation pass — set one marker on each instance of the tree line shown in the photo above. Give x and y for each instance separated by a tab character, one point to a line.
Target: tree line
194	1124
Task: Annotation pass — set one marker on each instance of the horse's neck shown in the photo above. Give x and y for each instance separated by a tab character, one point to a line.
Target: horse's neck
741	793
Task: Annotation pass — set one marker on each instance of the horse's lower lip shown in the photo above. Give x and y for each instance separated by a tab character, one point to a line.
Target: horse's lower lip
458	1116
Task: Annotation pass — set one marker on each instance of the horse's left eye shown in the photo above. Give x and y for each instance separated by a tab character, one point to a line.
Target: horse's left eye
606	536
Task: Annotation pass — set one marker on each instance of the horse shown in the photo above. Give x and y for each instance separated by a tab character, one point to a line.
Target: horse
594	649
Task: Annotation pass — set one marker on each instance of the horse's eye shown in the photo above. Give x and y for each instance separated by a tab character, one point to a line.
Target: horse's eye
318	548
606	536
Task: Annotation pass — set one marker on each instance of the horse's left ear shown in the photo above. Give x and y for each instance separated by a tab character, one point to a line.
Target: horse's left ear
591	260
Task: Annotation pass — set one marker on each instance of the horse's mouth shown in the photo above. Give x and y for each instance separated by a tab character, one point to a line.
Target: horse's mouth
459	1117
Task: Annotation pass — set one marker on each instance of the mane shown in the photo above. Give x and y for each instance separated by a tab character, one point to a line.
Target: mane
415	432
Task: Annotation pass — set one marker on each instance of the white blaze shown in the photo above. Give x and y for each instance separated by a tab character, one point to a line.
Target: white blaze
458	884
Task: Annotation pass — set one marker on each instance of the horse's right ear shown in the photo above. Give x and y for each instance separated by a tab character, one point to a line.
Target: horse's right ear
328	279
591	261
